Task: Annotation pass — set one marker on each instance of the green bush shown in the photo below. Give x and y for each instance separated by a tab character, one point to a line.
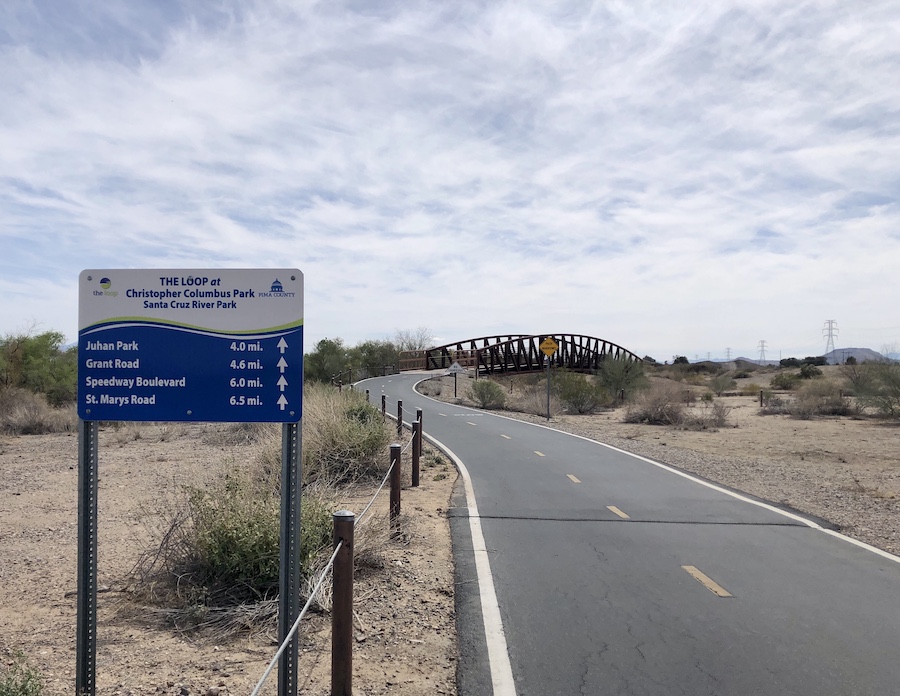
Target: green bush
617	376
578	393
785	381
487	394
877	386
39	364
721	383
232	539
21	680
808	371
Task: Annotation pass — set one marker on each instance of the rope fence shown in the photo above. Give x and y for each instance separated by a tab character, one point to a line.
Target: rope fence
344	524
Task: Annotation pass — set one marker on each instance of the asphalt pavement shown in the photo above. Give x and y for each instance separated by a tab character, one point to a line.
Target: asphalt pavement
582	569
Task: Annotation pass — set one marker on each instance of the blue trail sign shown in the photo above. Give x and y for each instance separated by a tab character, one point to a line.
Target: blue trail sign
215	345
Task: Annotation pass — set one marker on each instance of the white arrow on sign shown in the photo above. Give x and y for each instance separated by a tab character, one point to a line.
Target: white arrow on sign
282	363
282	344
282	382
282	401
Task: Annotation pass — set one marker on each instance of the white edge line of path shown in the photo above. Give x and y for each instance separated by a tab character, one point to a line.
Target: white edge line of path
498	653
495	637
720	489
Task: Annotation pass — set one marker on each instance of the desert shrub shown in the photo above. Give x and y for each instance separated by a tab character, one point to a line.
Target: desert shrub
534	400
710	416
680	360
487	394
808	371
221	543
661	404
774	405
742	374
19	679
578	393
751	389
877	386
721	383
344	437
23	412
38	363
785	381
618	376
819	398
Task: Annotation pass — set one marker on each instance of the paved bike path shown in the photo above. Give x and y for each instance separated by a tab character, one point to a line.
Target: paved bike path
614	575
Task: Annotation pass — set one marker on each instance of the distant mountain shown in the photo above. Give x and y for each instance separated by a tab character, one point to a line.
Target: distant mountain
754	361
839	355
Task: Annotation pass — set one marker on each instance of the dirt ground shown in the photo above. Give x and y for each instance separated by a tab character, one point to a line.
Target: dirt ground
404	628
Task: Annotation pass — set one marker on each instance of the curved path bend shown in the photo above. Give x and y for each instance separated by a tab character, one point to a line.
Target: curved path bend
608	573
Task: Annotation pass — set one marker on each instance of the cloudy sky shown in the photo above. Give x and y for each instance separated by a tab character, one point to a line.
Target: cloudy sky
675	177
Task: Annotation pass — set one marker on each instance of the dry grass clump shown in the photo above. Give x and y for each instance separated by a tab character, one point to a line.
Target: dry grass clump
665	403
661	404
533	400
217	560
23	412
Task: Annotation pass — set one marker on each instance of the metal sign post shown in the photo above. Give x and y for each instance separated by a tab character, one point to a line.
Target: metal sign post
454	370
548	347
212	345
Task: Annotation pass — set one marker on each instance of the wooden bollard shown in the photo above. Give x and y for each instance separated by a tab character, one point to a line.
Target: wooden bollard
416	429
383	407
342	606
399	418
395	485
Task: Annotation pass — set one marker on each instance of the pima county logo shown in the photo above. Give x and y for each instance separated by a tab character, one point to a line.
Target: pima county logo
106	284
277	290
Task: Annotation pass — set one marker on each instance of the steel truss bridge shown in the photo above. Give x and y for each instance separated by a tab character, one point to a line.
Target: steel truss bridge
518	353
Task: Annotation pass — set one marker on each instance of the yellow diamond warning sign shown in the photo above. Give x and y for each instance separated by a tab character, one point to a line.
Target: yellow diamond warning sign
549	346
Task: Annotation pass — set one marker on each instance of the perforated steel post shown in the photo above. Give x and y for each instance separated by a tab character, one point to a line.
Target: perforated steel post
86	618
289	576
342	606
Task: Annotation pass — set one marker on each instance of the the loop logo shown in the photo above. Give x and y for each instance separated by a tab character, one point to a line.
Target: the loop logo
106	284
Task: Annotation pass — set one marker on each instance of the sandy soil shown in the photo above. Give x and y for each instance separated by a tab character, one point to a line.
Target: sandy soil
405	632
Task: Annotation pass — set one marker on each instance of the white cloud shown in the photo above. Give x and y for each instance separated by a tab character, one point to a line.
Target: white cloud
672	179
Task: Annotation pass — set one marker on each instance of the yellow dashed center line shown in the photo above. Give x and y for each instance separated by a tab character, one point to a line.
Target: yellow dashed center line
617	511
707	582
573	478
540	454
506	437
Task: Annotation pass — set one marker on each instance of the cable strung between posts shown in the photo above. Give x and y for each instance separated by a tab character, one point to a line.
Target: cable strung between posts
380	488
293	630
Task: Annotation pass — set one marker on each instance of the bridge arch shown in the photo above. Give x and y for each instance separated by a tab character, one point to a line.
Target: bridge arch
518	353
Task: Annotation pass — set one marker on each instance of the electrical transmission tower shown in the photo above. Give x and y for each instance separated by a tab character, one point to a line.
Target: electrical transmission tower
762	351
829	332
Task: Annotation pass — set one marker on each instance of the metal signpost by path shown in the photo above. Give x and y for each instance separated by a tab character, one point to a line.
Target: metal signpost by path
454	370
211	345
548	347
